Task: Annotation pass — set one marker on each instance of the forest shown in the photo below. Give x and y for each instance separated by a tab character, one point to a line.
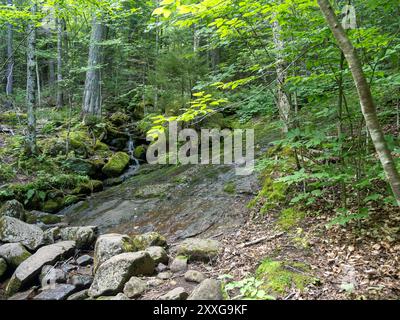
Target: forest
92	91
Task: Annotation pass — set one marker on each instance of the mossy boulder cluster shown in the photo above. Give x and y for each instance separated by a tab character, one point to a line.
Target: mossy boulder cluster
75	162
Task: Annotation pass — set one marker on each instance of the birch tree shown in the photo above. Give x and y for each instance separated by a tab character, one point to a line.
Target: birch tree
366	100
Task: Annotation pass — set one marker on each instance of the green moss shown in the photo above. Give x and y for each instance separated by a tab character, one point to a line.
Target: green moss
272	194
149	239
116	164
119	118
139	152
289	218
53	205
101	146
279	277
230	187
50	219
12	118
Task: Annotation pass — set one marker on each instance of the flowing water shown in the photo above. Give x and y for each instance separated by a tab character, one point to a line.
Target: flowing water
177	201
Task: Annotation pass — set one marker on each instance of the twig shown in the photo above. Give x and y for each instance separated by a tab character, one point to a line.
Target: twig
250	243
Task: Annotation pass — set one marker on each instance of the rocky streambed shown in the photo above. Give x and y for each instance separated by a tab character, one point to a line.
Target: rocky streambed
127	241
76	263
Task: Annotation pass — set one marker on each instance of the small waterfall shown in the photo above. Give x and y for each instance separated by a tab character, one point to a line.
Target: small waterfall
134	167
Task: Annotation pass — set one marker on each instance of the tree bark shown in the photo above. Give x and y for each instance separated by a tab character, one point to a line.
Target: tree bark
10	64
31	147
60	35
282	98
366	100
92	93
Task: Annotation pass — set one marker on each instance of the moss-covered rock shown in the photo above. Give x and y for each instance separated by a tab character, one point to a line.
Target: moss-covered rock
116	164
149	239
119	119
199	249
14	254
13	209
3	267
101	146
140	152
53	205
80	166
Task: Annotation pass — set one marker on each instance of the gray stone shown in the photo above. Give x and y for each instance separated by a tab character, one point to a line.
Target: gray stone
165	275
26	295
50	276
161	268
112	275
81	295
194	276
120	296
14	254
209	289
84	260
199	249
135	287
110	245
31	267
13	209
59	292
158	254
83	236
175	294
13	230
67	267
179	264
51	235
3	267
154	282
81	281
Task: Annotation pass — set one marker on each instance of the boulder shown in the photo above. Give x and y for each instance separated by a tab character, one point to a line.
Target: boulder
13	230
110	245
165	275
158	254
42	217
82	167
81	281
116	164
135	287
28	270
59	292
84	260
53	205
199	249
52	235
25	295
50	276
83	236
194	276
3	267
179	264
14	254
149	239
154	282
120	296
80	295
209	289
161	268
175	294
112	275
13	209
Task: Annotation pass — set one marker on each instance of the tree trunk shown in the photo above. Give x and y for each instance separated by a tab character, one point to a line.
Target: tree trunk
282	99
366	100
31	147
60	35
92	93
10	64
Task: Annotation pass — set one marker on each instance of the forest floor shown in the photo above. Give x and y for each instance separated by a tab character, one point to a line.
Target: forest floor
342	262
